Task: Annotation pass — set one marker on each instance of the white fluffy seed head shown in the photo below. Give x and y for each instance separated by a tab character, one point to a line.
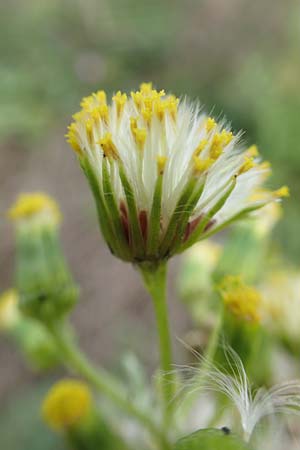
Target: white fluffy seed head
163	159
252	406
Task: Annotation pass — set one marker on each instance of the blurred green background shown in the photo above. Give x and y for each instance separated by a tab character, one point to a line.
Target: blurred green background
239	57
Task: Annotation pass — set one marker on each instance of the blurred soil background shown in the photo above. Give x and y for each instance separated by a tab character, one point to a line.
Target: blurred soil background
240	58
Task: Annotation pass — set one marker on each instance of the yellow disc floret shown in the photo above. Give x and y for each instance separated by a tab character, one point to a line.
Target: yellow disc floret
219	141
108	147
252	151
200	147
120	100
35	204
140	135
247	165
201	165
242	300
210	124
282	192
161	162
66	404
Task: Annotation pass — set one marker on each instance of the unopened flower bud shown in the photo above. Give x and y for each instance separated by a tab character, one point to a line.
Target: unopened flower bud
30	336
67	403
45	286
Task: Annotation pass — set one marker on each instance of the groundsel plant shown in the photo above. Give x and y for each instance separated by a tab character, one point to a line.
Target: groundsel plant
164	175
252	405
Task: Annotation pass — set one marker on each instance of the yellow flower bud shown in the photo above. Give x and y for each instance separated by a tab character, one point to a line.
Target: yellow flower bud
66	404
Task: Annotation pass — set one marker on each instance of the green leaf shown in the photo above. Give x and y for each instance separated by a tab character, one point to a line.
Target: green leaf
211	439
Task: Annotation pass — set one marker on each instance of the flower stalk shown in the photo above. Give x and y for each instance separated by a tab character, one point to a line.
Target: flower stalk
155	278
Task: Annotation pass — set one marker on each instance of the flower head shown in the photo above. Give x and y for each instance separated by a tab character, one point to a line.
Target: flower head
66	404
164	175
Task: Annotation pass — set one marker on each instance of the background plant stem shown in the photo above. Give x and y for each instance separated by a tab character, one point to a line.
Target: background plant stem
208	358
104	382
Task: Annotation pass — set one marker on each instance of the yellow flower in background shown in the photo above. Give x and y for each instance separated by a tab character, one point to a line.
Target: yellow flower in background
205	254
66	404
35	205
281	303
242	300
9	313
164	175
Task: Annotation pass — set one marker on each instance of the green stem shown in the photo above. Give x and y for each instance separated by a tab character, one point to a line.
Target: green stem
103	382
155	282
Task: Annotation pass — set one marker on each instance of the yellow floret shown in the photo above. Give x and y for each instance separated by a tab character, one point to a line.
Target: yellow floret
108	147
32	204
66	404
146	88
216	146
282	192
100	96
120	100
147	115
200	147
140	135
161	162
226	137
100	112
252	151
210	124
201	165
247	165
72	135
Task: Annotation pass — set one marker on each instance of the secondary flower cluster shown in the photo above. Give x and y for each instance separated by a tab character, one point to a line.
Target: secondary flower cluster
164	175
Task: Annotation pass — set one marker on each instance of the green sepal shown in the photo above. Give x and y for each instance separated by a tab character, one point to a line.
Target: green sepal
211	439
196	234
137	242
115	214
103	216
176	217
185	218
154	222
240	215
